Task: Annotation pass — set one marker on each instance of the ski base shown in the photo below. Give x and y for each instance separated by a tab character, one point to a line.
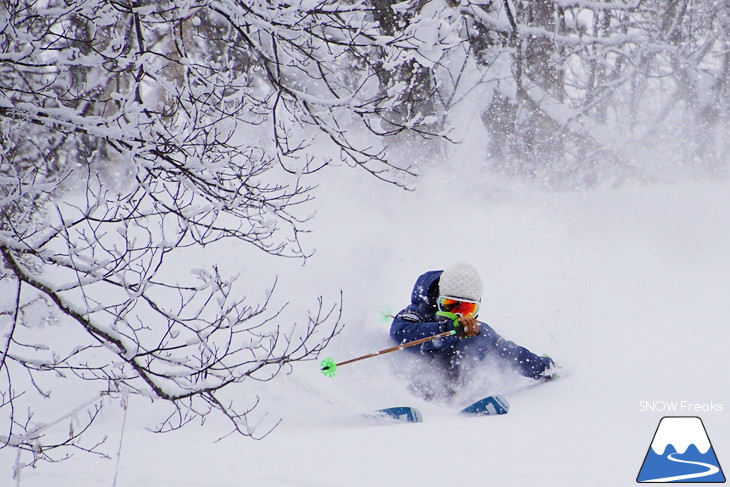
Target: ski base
489	405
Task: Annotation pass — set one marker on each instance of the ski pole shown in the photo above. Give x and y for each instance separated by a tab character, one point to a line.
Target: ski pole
329	367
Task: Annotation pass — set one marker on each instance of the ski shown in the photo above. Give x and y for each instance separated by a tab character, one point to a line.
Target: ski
489	405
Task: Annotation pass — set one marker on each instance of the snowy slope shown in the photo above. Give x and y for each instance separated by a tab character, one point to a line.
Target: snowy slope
626	288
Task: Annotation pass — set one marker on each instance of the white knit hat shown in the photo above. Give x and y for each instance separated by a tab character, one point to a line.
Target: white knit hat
461	281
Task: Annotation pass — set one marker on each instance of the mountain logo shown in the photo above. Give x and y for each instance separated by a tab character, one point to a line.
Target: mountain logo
681	452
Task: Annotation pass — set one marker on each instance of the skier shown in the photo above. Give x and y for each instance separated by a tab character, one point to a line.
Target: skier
449	300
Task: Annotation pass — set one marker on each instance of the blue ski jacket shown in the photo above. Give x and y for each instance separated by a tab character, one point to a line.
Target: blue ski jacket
419	320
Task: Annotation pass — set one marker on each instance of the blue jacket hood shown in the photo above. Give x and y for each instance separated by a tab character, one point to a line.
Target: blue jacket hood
425	290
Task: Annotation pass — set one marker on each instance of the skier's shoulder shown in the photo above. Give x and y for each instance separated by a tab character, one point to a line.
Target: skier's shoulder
423	301
412	313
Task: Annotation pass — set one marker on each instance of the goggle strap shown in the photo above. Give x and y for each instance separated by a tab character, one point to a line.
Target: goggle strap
463	300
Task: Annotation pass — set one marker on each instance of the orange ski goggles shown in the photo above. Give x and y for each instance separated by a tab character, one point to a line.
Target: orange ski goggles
459	306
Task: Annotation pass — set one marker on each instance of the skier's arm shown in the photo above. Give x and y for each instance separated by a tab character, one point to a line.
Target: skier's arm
410	325
527	363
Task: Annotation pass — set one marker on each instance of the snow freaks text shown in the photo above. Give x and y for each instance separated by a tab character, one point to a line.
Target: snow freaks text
683	407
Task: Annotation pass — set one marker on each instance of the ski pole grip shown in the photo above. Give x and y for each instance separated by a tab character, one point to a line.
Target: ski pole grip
454	319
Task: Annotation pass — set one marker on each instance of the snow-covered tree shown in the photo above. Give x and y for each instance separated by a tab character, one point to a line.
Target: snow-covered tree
136	133
581	89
